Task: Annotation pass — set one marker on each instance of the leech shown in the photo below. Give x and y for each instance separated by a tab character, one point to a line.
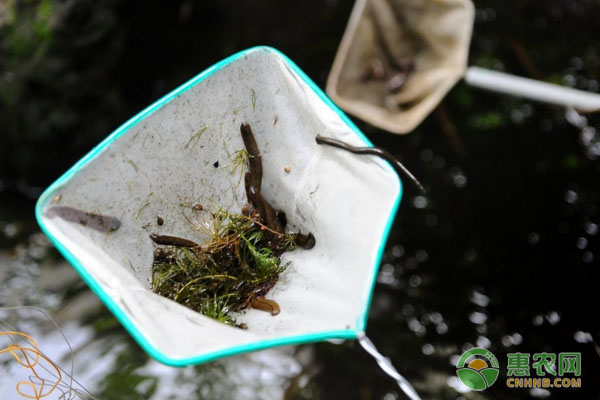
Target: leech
253	181
274	220
269	214
254	158
101	223
260	303
375	151
256	201
167	240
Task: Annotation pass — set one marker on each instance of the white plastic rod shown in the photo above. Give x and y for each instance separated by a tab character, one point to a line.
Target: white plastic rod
532	89
388	368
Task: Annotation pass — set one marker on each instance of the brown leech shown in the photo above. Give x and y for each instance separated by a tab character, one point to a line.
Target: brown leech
375	151
167	240
265	211
260	303
254	158
101	223
253	180
273	219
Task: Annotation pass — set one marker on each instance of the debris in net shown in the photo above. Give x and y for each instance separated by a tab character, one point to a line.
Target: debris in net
241	261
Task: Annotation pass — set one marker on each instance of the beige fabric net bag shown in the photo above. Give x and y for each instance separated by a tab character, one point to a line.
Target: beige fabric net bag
398	59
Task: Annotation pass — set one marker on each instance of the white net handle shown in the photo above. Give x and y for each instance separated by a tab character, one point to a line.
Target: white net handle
388	368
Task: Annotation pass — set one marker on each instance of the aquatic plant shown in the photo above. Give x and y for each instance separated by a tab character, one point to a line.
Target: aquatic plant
239	264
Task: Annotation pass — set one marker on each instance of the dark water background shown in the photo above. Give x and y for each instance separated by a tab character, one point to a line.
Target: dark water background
502	253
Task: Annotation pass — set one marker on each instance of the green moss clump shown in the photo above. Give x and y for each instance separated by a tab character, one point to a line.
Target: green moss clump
240	263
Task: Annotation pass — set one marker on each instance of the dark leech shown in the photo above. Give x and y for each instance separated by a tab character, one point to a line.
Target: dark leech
269	214
160	221
253	181
253	201
375	151
258	203
254	157
101	223
260	303
167	240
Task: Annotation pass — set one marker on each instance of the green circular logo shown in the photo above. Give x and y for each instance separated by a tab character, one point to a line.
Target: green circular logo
477	368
